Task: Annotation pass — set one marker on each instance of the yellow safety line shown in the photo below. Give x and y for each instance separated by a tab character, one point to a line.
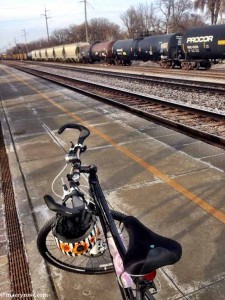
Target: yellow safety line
172	183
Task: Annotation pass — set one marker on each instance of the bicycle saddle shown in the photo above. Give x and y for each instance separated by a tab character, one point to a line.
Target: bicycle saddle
62	209
148	251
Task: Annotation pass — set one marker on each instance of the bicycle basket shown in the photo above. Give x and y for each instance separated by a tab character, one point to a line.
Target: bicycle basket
74	236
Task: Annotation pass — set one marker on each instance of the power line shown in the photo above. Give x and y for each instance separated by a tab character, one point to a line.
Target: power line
21	20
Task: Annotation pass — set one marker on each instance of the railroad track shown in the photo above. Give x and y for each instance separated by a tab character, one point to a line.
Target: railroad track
156	70
202	124
172	83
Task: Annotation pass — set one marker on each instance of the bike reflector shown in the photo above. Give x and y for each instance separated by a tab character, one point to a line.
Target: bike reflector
150	276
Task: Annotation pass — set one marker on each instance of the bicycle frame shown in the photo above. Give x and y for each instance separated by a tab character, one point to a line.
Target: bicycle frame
108	224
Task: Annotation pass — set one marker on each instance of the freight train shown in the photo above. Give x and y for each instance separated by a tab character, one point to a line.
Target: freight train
195	49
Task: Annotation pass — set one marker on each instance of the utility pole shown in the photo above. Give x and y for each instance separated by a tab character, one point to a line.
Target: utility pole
25	37
17	48
46	21
86	23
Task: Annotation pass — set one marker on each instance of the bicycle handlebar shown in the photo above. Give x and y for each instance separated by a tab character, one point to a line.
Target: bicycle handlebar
84	132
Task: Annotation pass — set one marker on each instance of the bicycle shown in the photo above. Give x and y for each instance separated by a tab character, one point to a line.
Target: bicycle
86	236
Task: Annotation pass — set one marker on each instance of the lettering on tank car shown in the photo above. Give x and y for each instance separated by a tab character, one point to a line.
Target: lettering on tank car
179	40
200	39
193	49
119	51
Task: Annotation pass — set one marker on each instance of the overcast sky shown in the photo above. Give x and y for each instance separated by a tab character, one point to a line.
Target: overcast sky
17	15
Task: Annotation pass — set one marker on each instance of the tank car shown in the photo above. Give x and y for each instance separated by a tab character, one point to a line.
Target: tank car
203	44
102	52
85	53
164	48
99	51
125	51
29	56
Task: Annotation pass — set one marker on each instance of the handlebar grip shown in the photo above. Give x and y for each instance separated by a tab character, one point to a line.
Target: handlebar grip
84	132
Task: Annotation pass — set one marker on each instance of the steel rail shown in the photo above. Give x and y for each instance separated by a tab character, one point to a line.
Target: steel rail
202	124
173	83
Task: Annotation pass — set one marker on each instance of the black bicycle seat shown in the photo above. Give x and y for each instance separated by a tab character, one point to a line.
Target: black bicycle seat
62	209
148	251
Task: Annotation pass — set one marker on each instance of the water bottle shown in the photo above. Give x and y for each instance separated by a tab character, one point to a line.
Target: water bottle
125	279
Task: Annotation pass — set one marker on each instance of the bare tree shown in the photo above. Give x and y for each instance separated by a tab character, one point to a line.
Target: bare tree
213	8
190	21
101	29
76	33
131	21
166	8
59	36
147	14
174	12
140	19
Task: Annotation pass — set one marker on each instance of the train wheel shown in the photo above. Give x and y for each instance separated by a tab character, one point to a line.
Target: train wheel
196	66
163	64
208	65
169	65
184	65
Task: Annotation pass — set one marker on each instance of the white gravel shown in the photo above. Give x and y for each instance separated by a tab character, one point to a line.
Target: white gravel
211	102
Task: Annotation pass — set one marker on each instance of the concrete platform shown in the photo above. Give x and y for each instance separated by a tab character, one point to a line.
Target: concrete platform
173	183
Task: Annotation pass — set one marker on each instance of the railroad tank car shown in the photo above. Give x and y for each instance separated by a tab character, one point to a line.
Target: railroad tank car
99	51
125	51
202	44
165	48
85	52
29	56
102	51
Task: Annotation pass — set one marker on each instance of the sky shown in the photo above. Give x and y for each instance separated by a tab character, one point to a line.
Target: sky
25	17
